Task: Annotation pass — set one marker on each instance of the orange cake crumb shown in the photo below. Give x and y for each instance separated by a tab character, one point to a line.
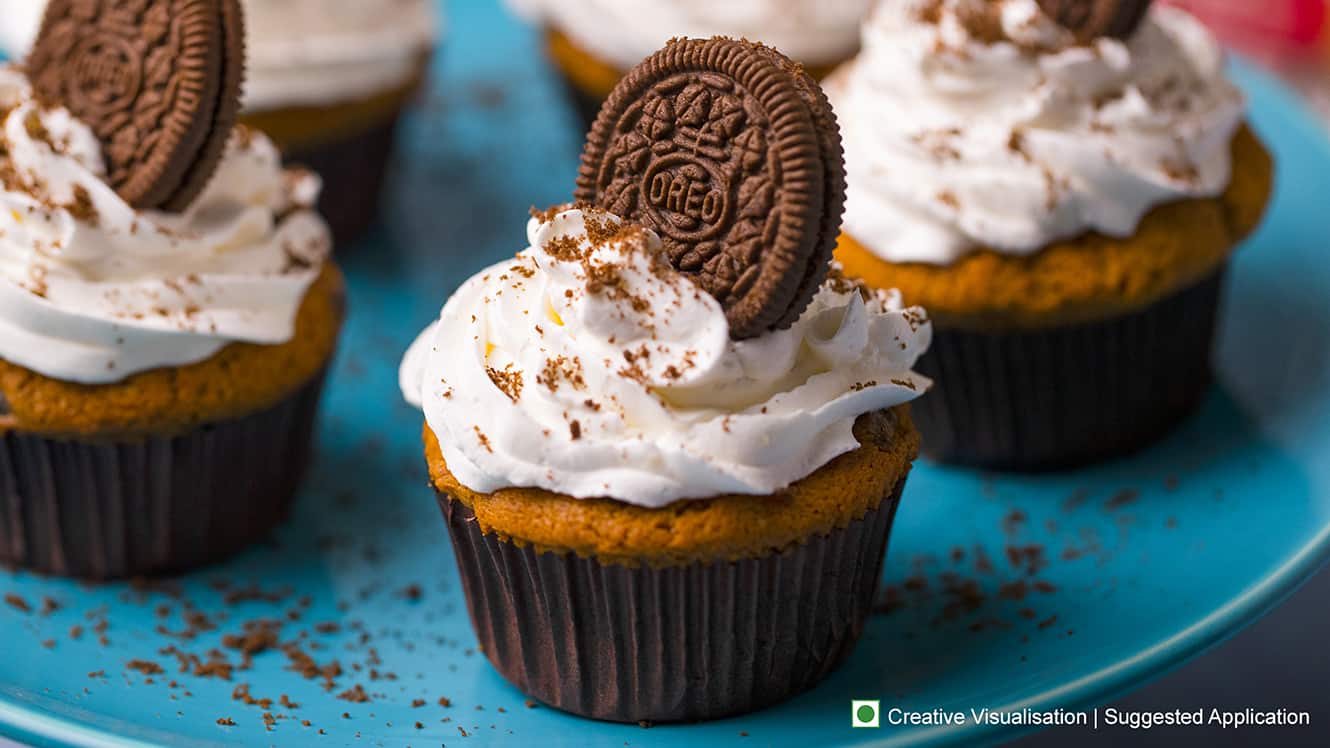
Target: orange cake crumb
1091	276
722	528
241	379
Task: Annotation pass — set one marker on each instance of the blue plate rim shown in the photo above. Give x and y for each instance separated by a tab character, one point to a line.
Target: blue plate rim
32	723
36	727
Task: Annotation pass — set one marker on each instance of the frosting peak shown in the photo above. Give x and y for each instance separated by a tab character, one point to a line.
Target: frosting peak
590	367
92	290
974	123
311	52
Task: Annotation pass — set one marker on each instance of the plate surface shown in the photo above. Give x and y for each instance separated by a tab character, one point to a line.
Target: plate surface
1136	565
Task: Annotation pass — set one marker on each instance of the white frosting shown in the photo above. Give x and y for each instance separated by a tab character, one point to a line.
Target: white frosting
623	32
630	386
19	20
301	52
98	292
317	51
953	142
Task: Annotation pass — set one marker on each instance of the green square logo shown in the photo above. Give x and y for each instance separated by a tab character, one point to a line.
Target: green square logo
865	713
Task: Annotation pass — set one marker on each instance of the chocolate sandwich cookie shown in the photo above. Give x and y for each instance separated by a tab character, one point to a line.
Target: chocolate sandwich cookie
158	82
1091	19
730	152
226	113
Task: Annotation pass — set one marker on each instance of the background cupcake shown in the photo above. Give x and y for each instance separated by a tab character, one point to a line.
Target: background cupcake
1064	204
327	80
593	42
160	367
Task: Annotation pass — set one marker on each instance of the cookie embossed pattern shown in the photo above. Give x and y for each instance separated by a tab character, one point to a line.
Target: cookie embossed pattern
159	83
733	167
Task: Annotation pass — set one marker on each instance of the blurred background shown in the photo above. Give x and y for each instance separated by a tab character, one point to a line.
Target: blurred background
1283	661
1291	37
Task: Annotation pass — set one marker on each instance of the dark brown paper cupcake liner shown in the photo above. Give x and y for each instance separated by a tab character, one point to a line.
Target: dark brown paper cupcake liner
1066	396
670	644
106	509
353	169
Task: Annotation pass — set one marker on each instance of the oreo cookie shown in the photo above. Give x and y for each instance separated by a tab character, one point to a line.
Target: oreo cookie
226	114
1091	19
158	81
731	153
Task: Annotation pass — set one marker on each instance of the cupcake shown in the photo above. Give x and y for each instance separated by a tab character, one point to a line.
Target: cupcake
160	369
646	514
669	493
327	81
1063	200
593	43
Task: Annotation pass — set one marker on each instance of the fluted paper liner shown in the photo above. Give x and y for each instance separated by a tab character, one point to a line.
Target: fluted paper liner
1063	396
669	644
114	509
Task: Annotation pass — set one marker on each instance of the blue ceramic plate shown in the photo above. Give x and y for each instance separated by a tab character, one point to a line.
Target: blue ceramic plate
1137	565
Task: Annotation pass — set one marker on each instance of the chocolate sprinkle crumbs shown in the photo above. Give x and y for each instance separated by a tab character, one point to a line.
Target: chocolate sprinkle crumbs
509	381
356	694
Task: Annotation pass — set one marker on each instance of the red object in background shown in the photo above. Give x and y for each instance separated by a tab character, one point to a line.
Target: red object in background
1276	31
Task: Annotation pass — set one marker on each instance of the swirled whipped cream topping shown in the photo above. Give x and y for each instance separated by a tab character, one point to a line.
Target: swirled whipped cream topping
301	52
311	52
588	366
982	123
19	24
624	32
92	290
